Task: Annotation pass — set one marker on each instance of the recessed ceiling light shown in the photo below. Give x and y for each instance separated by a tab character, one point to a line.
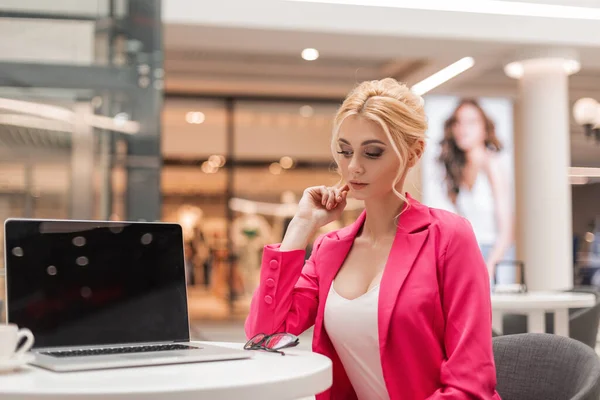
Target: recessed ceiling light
310	54
306	111
209	168
195	117
286	162
275	168
217	160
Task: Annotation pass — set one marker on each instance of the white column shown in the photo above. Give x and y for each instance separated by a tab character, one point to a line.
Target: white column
542	155
82	165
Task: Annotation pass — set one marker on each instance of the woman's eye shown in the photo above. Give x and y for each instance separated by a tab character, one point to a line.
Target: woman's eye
373	154
345	153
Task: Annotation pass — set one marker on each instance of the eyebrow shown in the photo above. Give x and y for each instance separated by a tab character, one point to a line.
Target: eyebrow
366	142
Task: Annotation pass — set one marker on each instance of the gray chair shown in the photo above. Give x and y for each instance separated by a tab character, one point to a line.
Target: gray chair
544	366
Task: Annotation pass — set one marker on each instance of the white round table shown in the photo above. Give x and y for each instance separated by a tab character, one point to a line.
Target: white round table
536	304
265	376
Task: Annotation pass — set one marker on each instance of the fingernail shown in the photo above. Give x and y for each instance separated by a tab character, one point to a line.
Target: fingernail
339	198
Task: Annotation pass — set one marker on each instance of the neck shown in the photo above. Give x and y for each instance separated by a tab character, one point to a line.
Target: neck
475	155
381	222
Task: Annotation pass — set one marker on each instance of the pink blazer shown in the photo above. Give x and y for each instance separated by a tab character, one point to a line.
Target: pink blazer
434	319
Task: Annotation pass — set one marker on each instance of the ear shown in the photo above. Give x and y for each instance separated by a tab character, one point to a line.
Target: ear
417	153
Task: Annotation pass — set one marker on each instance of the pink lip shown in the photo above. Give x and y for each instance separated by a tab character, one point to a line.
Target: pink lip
358	185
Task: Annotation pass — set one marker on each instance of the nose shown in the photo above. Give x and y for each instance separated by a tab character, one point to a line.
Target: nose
354	167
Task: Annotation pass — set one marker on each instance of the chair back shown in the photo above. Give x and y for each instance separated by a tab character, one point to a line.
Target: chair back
545	366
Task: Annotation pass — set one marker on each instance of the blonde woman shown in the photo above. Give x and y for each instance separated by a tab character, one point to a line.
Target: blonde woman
399	299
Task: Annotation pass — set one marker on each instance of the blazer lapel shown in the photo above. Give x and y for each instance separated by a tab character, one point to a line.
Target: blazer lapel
405	249
332	254
410	237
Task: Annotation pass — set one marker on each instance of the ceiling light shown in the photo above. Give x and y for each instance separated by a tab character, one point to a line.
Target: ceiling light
443	75
516	69
578	180
195	117
275	168
217	160
585	171
117	124
121	118
209	168
586	112
493	7
286	162
310	54
306	111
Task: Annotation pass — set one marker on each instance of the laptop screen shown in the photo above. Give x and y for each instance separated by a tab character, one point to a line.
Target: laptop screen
79	283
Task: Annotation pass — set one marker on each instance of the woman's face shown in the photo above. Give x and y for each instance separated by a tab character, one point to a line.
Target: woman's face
469	128
366	158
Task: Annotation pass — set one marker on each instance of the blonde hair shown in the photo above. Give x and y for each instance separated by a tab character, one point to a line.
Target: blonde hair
396	109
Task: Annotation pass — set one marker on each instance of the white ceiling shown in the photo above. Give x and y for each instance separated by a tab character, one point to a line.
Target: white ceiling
245	61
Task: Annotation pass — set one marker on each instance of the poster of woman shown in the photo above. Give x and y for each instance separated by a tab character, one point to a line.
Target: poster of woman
468	169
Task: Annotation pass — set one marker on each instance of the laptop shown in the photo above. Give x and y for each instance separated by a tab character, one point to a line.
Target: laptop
101	294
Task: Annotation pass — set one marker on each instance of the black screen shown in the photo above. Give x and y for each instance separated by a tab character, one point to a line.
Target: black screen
83	283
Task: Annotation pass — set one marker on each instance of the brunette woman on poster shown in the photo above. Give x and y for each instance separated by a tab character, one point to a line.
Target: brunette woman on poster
477	181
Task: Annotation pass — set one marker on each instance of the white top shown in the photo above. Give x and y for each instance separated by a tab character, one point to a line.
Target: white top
266	376
353	329
477	206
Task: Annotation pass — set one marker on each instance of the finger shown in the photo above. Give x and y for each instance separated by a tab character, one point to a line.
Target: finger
344	189
331	198
334	198
338	195
324	196
341	203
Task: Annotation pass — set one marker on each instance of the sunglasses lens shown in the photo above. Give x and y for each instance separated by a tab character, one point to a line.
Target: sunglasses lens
280	341
255	340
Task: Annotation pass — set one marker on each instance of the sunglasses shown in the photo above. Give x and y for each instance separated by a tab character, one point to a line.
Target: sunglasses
273	343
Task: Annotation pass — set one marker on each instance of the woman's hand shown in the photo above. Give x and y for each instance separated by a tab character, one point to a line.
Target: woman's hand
318	206
321	205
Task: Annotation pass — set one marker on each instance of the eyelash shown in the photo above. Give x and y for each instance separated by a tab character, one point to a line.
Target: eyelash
369	155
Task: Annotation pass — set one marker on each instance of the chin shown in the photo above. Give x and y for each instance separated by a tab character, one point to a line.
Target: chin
464	147
359	194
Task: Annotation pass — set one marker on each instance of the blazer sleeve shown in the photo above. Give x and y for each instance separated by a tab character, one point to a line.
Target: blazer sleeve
468	371
287	297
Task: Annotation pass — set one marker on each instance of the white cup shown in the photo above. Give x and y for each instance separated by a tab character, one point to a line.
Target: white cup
10	336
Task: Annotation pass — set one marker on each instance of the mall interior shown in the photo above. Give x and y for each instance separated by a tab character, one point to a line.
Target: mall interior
217	116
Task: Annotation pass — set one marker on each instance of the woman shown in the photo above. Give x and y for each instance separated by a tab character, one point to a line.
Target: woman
399	299
477	183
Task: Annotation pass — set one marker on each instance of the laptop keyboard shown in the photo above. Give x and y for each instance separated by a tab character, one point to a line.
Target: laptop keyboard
118	350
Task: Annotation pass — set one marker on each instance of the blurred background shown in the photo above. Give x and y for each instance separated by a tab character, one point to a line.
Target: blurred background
218	115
